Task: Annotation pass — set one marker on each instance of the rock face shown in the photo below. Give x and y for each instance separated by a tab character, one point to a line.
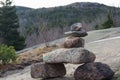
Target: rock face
81	33
72	55
44	70
93	71
73	42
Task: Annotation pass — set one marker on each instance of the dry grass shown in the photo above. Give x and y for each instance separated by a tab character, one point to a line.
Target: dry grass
34	55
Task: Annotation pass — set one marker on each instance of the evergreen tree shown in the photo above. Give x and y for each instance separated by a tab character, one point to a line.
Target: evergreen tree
9	25
109	23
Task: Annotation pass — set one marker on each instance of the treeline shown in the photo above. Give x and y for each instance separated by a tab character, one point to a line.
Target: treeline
64	16
9	24
34	22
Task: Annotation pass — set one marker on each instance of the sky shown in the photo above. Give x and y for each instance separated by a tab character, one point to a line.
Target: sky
53	3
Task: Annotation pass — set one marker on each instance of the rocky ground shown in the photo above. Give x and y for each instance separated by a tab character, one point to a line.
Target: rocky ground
104	43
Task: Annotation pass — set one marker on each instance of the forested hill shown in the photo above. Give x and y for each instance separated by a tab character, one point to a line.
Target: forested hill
90	14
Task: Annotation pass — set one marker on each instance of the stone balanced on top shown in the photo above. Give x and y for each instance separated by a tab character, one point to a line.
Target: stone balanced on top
74	53
74	39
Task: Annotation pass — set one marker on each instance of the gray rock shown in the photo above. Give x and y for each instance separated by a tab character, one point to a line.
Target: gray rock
76	27
72	55
81	33
93	71
44	70
73	42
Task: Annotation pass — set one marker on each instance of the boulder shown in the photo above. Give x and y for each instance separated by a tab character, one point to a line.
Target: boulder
73	42
93	71
81	33
76	27
44	70
72	55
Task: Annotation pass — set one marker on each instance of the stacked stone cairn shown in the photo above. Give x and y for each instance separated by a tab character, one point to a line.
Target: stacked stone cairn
74	53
